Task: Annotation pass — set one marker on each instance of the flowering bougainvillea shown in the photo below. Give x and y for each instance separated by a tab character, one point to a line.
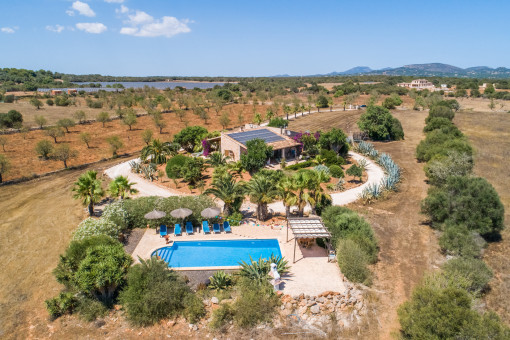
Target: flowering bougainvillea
206	147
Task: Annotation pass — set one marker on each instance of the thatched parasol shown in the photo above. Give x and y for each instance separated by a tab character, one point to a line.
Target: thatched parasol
181	213
155	214
210	212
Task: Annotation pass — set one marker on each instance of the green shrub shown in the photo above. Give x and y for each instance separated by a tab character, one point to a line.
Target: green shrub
343	223
440	143
64	303
437	123
302	165
457	240
436	313
440	167
474	270
470	201
190	138
152	293
91	309
117	214
336	171
278	122
256	303
173	166
96	227
331	157
440	111
75	253
194	308
379	124
396	130
235	218
222	316
138	207
353	262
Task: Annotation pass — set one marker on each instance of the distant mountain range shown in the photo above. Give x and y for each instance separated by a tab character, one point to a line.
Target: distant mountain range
424	70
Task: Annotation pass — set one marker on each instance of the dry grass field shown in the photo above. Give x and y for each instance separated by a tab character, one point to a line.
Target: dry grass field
325	120
489	134
51	113
24	160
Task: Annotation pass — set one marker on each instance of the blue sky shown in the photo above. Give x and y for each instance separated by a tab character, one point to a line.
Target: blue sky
249	38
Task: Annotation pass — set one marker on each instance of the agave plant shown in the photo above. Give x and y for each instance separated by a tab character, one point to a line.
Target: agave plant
322	168
339	186
135	167
220	280
149	171
282	265
256	270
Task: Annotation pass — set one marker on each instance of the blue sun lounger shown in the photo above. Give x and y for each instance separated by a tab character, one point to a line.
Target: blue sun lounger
226	227
205	227
177	230
189	228
216	228
162	230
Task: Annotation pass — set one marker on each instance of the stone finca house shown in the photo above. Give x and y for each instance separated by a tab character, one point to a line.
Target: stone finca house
233	144
418	84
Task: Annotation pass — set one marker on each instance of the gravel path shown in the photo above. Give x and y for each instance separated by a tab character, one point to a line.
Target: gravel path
145	188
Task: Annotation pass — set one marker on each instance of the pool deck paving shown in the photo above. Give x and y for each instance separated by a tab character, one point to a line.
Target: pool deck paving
311	274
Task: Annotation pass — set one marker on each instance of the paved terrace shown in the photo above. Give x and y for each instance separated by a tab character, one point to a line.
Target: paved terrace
311	274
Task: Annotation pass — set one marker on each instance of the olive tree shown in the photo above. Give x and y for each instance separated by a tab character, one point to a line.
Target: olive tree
63	153
115	144
44	148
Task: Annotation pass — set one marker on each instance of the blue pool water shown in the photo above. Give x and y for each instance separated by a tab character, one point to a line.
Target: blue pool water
216	253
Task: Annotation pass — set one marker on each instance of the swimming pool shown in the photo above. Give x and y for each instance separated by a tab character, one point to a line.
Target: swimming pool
224	253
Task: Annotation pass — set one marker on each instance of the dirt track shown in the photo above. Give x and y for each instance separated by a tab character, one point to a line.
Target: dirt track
407	247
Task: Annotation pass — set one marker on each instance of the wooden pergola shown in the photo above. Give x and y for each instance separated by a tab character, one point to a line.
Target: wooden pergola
306	227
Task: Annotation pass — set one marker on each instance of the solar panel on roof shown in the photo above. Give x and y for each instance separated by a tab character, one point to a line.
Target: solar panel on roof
264	134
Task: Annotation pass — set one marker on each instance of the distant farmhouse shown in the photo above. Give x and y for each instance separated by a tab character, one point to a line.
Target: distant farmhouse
419	84
233	144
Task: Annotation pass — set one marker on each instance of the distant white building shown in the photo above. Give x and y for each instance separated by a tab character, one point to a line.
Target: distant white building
418	84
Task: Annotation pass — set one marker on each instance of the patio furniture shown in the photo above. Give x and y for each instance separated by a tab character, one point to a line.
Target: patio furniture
162	230
177	230
205	227
226	227
216	228
189	228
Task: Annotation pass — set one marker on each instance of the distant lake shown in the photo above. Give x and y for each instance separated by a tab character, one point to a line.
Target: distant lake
159	84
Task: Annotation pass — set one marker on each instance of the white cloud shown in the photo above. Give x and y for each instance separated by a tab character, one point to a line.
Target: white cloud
9	30
70	13
82	8
144	25
91	27
114	1
56	28
122	10
139	18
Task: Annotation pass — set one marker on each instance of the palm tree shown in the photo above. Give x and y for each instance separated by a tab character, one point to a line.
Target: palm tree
315	191
286	187
236	168
229	191
262	191
303	182
157	151
121	187
216	159
88	189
